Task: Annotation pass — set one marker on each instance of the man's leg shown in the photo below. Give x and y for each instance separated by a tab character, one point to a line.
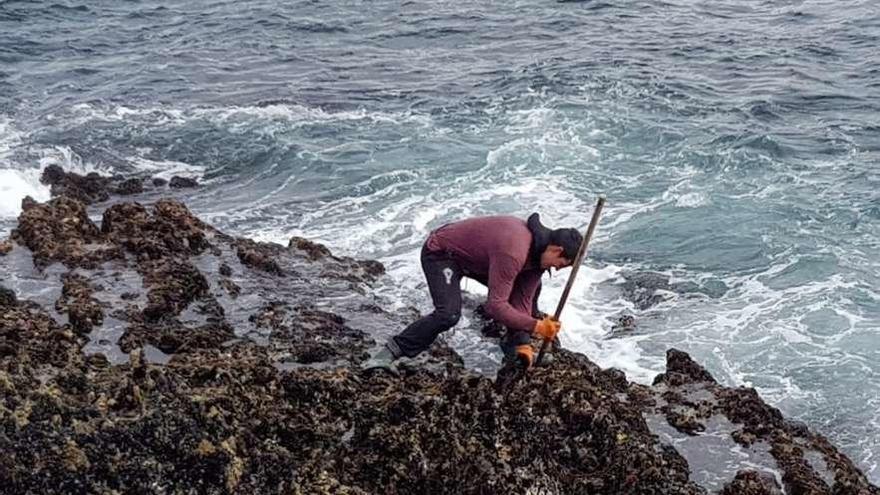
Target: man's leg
511	339
444	283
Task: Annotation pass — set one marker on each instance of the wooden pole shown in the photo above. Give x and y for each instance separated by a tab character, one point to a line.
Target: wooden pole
582	251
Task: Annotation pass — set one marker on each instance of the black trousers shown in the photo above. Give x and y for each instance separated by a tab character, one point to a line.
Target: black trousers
444	283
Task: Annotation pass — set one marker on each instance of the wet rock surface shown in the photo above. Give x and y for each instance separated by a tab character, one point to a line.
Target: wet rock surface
178	182
752	483
738	421
89	188
76	300
174	358
60	230
648	289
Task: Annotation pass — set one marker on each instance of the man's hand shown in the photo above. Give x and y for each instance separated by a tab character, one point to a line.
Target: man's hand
547	328
525	354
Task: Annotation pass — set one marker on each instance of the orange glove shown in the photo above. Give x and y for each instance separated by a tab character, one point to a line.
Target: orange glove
547	328
525	354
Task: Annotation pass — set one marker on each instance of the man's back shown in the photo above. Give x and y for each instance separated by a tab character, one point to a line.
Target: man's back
475	242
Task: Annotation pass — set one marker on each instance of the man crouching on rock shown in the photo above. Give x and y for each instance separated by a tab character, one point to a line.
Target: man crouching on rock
506	254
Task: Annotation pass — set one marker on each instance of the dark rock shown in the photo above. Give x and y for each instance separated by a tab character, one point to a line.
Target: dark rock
314	250
338	267
159	182
743	438
182	182
257	255
88	189
646	289
5	247
306	335
231	288
170	230
681	369
752	483
611	378
130	186
98	361
685	422
798	476
173	285
691	397
76	300
489	327
7	297
172	337
52	175
28	202
624	323
60	230
225	270
743	405
797	427
30	343
372	268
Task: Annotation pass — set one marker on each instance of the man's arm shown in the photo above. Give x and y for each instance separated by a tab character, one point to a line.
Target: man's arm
525	289
503	273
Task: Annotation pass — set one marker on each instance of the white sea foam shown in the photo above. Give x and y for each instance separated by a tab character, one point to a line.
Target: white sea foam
67	159
303	115
239	118
691	200
16	182
10	137
518	155
85	112
167	168
587	322
15	185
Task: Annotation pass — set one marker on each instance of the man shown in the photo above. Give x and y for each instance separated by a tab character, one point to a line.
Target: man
506	254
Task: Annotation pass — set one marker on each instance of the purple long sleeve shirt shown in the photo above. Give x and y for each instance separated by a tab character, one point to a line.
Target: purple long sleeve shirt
495	249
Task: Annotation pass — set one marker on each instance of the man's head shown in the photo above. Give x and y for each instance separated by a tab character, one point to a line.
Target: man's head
561	250
552	248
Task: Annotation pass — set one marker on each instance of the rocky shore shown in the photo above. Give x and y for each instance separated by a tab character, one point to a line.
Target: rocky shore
144	351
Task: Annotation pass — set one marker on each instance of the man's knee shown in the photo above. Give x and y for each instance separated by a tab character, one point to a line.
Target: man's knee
517	337
447	319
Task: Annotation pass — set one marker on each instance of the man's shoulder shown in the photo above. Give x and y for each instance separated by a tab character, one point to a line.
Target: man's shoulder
515	239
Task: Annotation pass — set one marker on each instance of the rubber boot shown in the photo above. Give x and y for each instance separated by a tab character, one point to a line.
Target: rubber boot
382	359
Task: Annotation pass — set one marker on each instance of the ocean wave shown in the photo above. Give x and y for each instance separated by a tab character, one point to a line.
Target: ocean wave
83	113
293	113
166	169
15	185
16	181
298	114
